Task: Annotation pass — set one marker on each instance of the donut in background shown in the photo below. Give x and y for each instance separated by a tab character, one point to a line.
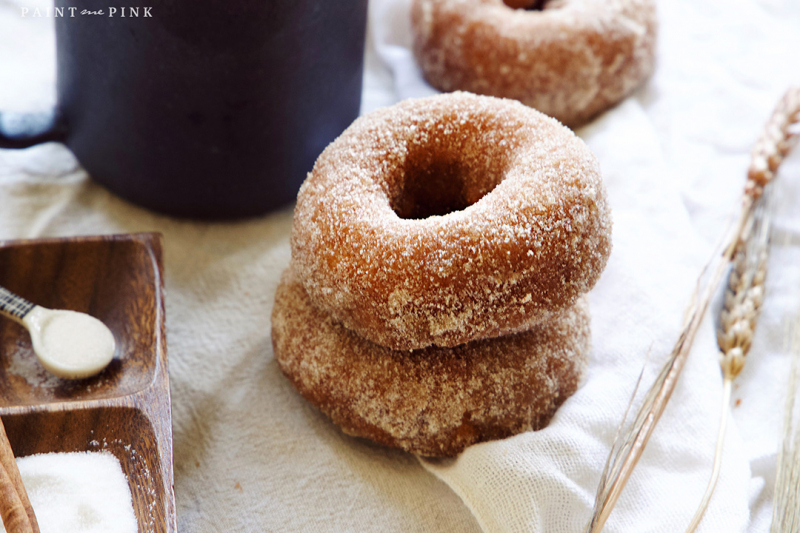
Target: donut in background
570	59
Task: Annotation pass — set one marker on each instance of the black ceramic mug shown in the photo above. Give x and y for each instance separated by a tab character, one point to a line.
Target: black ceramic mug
201	108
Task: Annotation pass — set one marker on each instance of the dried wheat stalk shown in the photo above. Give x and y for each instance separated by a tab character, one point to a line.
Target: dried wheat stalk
625	452
738	318
774	144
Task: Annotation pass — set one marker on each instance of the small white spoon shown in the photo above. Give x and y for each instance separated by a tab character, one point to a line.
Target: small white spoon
69	344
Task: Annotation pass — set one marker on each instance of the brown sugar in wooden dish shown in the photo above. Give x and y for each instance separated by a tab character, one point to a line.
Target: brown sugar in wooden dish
125	410
434	401
448	219
570	59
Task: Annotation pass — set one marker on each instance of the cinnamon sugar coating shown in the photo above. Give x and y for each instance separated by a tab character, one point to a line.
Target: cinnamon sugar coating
435	401
571	60
452	218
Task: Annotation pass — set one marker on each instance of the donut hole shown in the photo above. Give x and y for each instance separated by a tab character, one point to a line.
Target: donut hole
440	180
528	5
535	5
434	190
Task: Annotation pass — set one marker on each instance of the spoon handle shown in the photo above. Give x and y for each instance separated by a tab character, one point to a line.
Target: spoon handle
14	306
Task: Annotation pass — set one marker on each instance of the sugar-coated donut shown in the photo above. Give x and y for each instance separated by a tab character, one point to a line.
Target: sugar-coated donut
570	59
452	218
435	401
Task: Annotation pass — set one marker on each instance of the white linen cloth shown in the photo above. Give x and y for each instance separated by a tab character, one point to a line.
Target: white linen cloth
251	455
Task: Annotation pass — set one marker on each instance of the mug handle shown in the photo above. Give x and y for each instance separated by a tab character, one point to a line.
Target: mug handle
21	130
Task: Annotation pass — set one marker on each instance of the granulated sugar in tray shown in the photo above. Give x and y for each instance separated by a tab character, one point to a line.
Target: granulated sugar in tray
84	492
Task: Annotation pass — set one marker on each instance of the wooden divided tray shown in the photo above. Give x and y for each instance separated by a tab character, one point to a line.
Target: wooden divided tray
126	409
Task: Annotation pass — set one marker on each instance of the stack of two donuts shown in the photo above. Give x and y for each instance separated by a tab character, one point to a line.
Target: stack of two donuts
441	249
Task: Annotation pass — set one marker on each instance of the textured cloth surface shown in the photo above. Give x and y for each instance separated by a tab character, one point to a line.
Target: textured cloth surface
251	455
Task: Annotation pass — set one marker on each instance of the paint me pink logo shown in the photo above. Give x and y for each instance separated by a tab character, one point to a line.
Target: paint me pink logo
72	12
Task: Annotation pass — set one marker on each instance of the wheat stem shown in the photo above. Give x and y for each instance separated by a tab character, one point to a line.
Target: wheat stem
627	455
786	502
712	483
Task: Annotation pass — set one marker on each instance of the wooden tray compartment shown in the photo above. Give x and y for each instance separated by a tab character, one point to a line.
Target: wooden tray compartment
126	409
